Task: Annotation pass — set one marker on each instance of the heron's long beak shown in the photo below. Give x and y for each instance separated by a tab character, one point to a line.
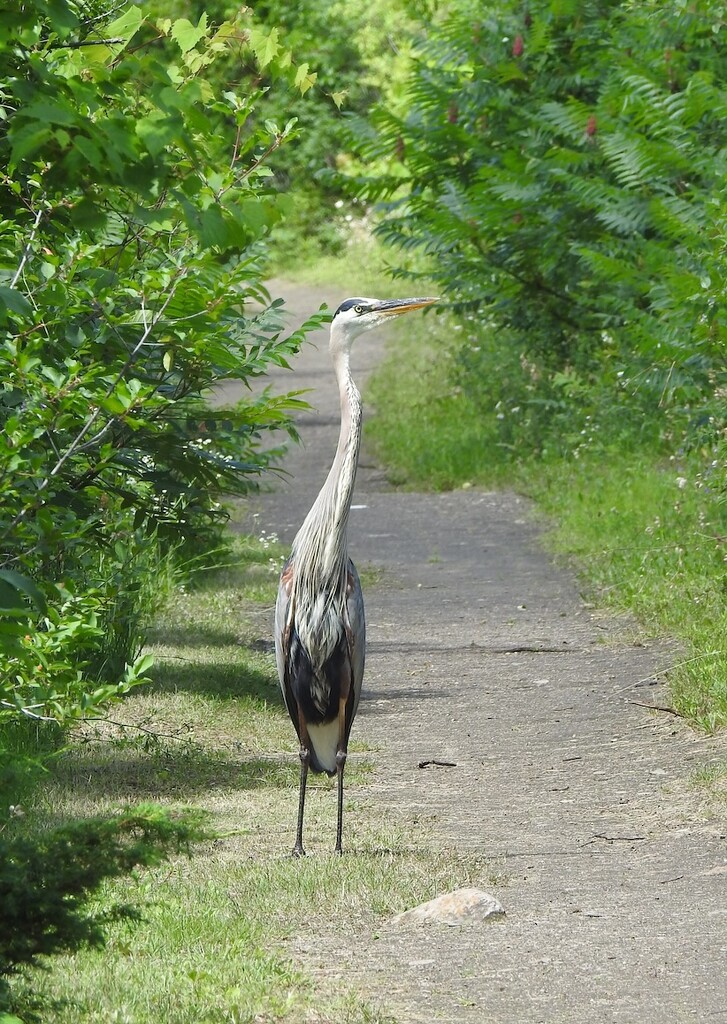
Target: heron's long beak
394	307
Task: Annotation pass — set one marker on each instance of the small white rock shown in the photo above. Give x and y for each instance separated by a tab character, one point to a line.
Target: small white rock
453	908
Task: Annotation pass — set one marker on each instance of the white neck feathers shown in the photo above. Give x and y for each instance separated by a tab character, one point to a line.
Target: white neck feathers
320	547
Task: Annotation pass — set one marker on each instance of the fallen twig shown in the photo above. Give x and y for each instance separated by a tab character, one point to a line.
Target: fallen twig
656	707
615	839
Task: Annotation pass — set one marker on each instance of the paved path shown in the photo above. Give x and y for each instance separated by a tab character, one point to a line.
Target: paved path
481	653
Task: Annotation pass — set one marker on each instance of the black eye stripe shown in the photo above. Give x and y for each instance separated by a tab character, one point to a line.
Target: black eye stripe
349	304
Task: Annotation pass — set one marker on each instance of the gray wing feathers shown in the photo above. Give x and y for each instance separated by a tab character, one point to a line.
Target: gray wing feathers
356	631
282	632
354	625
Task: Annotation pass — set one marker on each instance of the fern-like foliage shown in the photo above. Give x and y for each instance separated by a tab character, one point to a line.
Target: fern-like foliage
565	166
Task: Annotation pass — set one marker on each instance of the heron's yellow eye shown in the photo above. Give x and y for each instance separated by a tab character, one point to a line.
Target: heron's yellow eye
358	309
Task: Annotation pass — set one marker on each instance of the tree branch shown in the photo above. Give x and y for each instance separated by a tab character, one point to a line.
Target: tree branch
28	248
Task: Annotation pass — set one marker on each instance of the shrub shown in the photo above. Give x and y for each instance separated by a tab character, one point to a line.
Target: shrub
47	881
133	213
563	166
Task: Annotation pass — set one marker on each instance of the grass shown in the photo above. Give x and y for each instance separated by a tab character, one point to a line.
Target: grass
213	943
652	538
220	925
425	430
647	534
711	782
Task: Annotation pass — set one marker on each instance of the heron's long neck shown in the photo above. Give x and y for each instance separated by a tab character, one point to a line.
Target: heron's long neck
323	533
342	475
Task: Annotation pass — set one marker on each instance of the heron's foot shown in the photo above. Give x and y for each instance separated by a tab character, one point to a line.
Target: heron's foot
297	850
338	852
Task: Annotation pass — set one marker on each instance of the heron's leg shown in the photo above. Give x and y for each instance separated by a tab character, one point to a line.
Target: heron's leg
341	754
298	850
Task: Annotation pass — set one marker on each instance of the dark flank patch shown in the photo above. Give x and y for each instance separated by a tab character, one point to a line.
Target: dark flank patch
302	678
347	304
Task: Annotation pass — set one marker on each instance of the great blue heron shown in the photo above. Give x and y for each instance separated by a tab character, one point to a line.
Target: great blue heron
320	630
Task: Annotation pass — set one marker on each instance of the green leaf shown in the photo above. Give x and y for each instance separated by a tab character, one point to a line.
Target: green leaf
304	80
142	664
126	26
26	141
186	35
89	150
264	45
214	229
20	584
15	301
45	110
156	131
11	600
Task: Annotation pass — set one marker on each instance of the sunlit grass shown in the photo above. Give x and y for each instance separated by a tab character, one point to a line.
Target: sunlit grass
362	261
425	430
216	927
711	782
363	266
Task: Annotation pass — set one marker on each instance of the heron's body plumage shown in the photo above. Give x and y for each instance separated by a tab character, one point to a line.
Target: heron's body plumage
320	629
320	661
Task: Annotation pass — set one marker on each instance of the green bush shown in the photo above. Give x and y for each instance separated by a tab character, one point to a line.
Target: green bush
355	53
563	166
538	411
134	208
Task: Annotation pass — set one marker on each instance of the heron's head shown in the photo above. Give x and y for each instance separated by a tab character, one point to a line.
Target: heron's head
354	316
